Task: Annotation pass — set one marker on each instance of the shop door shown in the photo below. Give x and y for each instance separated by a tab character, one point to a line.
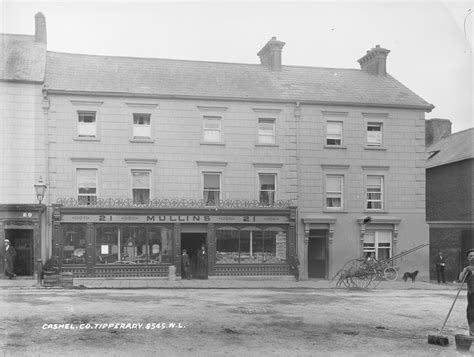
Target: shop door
317	254
22	241
193	242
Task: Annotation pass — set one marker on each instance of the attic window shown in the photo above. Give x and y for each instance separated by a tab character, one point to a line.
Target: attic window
432	154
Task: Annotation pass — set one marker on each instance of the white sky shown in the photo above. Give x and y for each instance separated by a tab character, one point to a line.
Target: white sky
430	52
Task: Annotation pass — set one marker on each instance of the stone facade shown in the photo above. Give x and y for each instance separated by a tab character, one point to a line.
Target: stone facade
22	139
400	160
337	131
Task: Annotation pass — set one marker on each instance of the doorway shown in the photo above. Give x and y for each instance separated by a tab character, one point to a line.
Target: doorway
317	254
192	242
22	241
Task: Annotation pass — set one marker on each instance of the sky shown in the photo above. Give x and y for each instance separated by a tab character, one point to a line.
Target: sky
430	41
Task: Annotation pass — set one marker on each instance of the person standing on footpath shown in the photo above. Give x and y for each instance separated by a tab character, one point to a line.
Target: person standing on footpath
10	254
201	264
295	267
467	274
440	265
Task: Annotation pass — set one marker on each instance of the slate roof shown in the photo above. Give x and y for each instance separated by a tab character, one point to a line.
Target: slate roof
455	147
181	78
21	58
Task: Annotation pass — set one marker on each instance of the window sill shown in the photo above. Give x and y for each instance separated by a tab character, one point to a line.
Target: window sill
80	138
375	148
212	143
266	145
335	147
326	210
375	211
137	140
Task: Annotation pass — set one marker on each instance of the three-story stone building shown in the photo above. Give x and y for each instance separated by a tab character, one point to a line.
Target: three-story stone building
242	165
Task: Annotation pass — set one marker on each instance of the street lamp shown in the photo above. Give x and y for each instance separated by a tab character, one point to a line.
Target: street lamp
40	189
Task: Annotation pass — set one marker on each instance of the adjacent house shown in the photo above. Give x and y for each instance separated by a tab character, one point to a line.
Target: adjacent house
449	195
22	145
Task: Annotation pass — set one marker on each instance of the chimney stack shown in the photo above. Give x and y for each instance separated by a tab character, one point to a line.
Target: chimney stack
436	129
270	54
40	28
375	61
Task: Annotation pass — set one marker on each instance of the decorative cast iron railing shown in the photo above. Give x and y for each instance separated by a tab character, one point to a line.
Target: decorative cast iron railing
171	203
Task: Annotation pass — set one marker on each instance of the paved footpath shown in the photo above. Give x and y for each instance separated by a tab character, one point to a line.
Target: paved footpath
217	283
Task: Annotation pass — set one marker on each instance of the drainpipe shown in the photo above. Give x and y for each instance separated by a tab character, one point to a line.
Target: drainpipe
47	213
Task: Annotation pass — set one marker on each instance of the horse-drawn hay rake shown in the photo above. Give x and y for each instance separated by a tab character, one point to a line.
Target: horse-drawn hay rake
362	273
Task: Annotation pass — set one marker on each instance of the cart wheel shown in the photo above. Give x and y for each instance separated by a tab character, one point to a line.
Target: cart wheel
361	281
390	273
374	282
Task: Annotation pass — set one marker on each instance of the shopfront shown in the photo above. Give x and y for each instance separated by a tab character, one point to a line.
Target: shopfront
144	242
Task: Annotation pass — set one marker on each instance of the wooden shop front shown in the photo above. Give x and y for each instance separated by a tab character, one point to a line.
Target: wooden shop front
145	242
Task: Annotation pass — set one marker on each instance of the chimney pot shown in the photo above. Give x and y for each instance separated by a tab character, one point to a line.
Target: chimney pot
40	28
375	60
270	54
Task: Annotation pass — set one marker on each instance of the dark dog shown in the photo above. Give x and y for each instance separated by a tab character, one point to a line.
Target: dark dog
411	276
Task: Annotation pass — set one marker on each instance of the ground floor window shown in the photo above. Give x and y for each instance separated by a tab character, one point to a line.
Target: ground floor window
74	244
118	244
378	244
251	245
137	244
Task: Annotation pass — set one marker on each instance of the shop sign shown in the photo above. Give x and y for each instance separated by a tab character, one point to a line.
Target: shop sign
281	245
20	215
172	219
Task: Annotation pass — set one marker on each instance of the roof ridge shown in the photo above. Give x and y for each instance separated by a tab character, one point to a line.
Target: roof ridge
448	137
195	61
458	132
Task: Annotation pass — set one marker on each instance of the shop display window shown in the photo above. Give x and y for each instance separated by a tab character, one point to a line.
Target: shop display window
251	245
74	244
139	244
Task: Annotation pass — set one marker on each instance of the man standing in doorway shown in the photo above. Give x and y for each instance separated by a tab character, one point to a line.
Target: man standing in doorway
440	265
185	265
9	259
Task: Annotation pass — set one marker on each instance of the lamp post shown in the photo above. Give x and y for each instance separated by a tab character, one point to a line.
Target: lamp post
40	189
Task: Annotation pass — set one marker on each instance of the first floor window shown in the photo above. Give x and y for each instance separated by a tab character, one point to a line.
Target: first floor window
378	244
86	125
212	129
141	186
334	188
374	192
251	245
374	134
334	133
266	131
141	125
212	187
87	186
267	188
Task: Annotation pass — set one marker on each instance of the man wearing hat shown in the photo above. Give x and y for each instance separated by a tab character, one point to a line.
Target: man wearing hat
9	259
467	273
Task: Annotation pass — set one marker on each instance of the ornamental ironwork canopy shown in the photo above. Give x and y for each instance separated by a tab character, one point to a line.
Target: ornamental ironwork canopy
71	202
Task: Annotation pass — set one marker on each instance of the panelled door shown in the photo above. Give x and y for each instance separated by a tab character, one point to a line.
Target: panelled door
317	254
